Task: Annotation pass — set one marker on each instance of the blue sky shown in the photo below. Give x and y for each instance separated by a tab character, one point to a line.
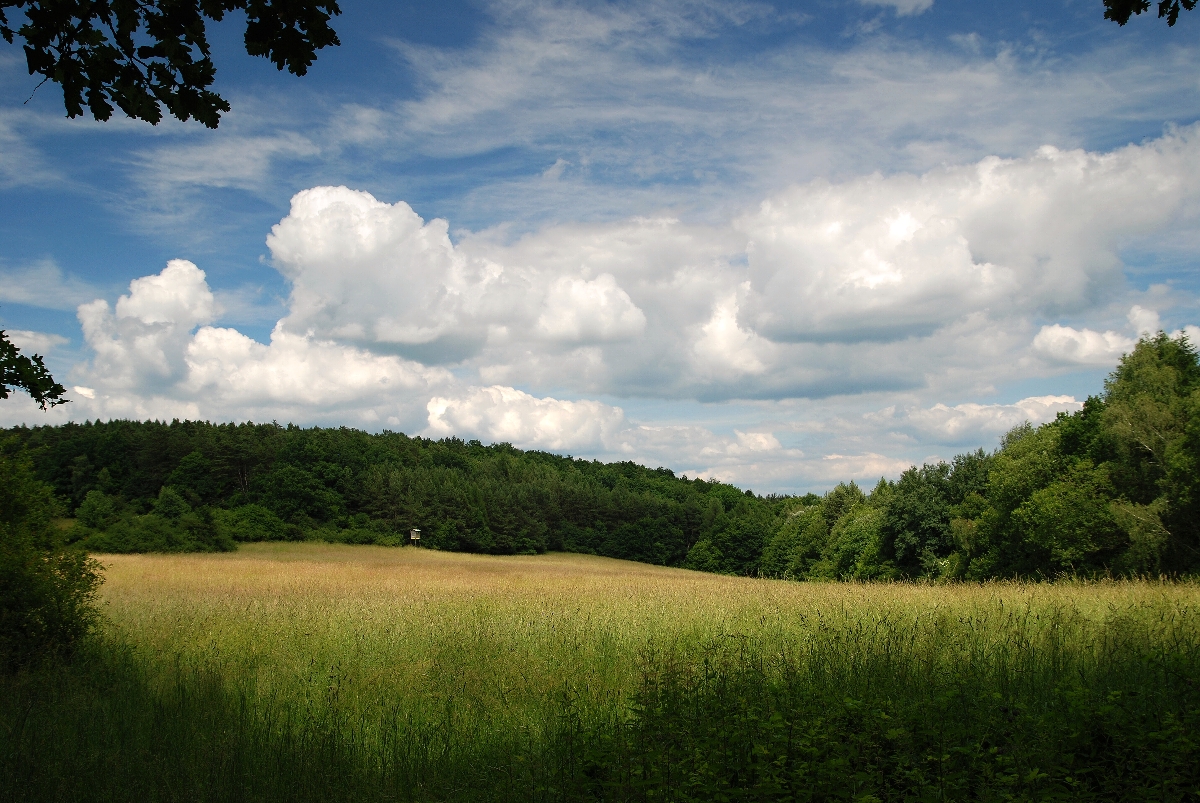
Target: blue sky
780	244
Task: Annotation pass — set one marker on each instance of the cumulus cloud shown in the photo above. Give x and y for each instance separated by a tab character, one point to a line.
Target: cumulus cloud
1065	344
859	467
141	346
500	413
376	274
1144	321
234	370
879	258
154	355
931	283
577	310
871	283
724	349
586	426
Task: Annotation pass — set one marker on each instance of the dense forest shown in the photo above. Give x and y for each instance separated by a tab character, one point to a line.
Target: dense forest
1111	489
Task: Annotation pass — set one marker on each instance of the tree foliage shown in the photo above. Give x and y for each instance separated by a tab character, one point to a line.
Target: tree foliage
1119	11
19	372
142	55
47	589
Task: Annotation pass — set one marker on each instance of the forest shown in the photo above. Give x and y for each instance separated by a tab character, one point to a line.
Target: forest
1113	489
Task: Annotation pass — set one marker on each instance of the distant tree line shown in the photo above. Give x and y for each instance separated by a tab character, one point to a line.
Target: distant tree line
1111	489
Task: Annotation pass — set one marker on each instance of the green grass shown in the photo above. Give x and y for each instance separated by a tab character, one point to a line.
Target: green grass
328	672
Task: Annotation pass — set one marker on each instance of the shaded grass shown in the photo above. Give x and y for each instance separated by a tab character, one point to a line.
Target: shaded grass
323	672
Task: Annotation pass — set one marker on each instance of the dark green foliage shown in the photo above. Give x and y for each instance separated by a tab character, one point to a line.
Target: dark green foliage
1111	489
19	372
170	526
1071	520
191	485
1119	11
143	55
916	527
256	523
97	511
47	590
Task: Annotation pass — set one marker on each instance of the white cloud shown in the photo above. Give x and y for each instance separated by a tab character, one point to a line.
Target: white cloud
179	296
882	258
373	273
154	356
41	343
970	422
929	284
1143	321
725	350
21	162
577	310
647	122
591	427
141	347
238	161
233	370
500	413
1065	344
862	468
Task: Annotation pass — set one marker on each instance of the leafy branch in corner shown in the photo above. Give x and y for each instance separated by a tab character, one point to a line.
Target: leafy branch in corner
141	55
29	374
1119	11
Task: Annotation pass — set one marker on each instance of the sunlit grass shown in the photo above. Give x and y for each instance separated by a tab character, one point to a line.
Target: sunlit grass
503	637
436	674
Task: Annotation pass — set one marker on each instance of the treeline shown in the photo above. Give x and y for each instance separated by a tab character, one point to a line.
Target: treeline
1111	489
136	486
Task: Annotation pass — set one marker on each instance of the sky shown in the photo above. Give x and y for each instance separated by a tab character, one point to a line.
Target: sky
778	244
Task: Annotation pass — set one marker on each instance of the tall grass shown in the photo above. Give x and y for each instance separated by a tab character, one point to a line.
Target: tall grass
323	672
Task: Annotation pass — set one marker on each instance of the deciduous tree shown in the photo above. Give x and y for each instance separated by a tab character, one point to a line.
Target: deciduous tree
141	55
1119	11
19	372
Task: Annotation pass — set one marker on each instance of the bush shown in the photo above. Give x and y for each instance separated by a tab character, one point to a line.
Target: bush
256	523
173	526
47	590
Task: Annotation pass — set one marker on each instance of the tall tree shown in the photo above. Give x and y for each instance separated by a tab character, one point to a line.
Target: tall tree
144	54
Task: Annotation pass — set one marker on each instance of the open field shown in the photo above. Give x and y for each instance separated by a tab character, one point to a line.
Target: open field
316	671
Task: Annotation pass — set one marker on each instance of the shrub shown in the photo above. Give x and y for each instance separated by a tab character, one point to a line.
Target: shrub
256	523
47	590
173	526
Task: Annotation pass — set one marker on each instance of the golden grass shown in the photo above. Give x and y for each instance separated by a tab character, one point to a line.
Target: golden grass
356	627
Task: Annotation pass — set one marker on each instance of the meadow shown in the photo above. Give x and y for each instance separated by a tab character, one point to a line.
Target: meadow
308	671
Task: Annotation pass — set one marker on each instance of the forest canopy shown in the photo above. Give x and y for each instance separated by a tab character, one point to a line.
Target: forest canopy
1110	489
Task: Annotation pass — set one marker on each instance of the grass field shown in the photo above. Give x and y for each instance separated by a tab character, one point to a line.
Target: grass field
329	672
